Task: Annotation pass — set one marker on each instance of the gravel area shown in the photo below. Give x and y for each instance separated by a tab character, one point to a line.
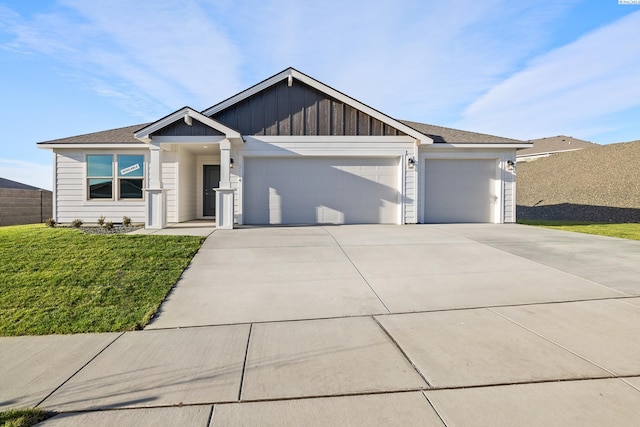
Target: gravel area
600	184
102	230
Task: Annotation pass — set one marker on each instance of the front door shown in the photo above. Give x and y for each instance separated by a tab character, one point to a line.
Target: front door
211	179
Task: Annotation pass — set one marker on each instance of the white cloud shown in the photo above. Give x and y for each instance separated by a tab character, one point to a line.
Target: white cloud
30	173
146	53
568	89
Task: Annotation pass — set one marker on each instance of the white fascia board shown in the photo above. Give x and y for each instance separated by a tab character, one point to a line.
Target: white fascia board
98	146
188	139
144	133
329	139
421	138
476	146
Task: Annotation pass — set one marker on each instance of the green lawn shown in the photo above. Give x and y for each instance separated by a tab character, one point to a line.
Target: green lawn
22	417
62	281
625	231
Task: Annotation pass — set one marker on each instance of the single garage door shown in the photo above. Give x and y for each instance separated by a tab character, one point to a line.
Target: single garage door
460	191
321	191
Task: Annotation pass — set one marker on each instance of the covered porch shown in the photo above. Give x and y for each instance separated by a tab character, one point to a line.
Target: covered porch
189	170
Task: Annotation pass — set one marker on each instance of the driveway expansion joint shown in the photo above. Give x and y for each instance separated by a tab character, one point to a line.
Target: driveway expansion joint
357	269
78	370
401	350
613	374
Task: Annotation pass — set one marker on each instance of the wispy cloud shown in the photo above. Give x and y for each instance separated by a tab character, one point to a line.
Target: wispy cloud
138	53
30	173
416	60
565	90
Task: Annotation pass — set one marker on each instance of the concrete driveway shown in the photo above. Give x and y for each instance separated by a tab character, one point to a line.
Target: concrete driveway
366	325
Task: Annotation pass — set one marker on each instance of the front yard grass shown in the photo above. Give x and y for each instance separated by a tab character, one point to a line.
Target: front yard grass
22	417
624	230
63	281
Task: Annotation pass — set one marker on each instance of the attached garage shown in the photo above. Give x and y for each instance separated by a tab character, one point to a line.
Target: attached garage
460	190
321	190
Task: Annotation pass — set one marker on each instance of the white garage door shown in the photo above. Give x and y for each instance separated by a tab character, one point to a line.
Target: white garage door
460	191
321	191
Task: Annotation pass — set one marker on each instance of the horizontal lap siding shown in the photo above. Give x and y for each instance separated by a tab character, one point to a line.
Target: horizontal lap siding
410	191
71	201
509	180
169	181
187	190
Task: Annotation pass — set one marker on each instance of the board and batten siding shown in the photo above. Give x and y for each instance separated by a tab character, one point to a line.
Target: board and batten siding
297	110
71	193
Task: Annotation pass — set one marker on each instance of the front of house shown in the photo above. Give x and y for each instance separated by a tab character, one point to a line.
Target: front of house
289	150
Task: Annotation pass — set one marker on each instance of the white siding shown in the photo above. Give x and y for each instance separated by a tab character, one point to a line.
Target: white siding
410	192
187	190
71	192
509	179
169	183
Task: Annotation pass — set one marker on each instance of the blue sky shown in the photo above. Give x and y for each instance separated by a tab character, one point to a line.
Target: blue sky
521	68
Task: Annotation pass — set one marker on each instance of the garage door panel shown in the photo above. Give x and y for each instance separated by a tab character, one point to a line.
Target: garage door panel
459	190
320	190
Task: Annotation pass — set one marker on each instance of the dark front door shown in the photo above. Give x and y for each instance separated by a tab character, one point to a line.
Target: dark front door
211	179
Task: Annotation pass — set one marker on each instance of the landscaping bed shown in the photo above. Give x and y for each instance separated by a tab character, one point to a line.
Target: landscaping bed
61	280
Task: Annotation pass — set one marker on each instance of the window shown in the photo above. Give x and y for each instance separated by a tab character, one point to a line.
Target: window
100	177
128	182
130	176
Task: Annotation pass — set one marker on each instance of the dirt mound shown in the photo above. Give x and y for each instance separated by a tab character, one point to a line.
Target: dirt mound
600	184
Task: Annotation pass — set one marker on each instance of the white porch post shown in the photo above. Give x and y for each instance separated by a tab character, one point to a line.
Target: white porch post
224	194
156	217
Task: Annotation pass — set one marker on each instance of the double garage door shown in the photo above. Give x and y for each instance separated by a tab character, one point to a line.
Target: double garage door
325	190
460	190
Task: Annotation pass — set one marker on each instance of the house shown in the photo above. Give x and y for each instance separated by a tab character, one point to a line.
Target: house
288	150
23	204
545	147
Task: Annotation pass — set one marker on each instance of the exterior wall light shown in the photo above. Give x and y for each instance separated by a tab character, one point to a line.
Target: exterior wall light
231	163
411	162
511	165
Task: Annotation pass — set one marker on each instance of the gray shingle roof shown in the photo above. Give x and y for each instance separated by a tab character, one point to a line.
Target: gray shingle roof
555	144
122	135
441	134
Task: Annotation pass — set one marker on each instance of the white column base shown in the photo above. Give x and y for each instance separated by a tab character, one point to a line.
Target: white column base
156	217
224	208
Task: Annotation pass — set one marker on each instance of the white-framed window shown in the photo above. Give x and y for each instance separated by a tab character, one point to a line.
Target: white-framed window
115	177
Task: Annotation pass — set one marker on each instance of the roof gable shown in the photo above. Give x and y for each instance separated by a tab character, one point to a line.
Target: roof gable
292	103
186	122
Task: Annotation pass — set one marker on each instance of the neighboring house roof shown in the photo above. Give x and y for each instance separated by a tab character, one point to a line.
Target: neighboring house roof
441	135
7	183
554	144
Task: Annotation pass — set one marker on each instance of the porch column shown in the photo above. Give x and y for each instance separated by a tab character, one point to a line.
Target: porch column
156	217
224	194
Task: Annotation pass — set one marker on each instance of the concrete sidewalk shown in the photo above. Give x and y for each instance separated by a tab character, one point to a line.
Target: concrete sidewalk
363	325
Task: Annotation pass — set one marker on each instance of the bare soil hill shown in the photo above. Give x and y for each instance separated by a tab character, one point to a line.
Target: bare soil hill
597	184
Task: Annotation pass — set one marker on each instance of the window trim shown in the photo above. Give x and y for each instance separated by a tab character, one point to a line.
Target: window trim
115	178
